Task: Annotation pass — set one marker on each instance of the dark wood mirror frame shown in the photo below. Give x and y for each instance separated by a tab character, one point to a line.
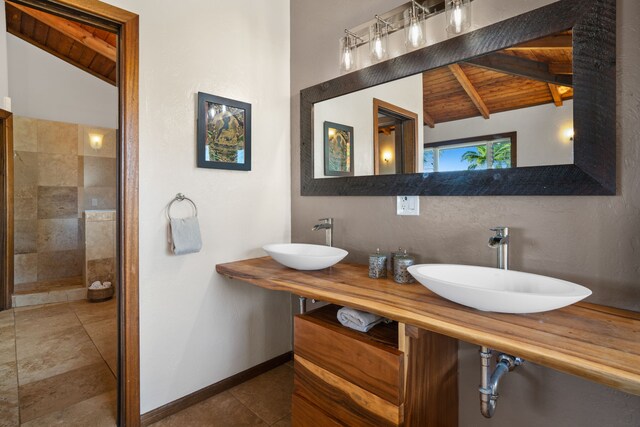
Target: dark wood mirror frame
594	110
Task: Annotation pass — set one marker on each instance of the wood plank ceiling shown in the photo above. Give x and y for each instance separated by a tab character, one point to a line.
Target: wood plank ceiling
534	73
91	49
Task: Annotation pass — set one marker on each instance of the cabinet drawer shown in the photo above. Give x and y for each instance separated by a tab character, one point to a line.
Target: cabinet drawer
306	414
362	359
347	403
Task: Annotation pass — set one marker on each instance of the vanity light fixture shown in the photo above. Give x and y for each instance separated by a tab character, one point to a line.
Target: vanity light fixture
379	39
386	156
458	16
95	141
412	18
414	25
349	52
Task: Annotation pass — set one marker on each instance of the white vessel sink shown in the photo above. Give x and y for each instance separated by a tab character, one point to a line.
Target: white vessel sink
305	257
502	291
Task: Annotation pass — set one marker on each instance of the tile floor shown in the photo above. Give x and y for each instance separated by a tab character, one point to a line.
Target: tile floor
58	364
261	401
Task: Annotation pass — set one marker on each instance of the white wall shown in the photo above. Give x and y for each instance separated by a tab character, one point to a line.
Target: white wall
356	110
196	327
541	138
45	87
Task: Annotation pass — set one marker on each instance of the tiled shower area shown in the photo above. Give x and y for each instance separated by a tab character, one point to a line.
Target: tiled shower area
64	215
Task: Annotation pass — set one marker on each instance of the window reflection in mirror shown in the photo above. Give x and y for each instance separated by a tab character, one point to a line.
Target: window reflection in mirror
526	89
477	153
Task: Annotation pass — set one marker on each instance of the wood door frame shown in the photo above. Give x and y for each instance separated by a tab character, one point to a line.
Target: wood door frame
125	24
6	193
409	115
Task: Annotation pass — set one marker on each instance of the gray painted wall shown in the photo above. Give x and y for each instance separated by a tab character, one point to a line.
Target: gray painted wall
590	240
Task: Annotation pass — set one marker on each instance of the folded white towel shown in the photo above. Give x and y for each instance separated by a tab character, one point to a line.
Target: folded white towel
185	235
98	285
358	320
106	285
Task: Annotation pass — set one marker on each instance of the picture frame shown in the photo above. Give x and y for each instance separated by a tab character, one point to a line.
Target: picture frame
338	149
223	133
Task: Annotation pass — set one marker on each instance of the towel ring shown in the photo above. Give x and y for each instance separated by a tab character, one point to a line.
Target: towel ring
180	198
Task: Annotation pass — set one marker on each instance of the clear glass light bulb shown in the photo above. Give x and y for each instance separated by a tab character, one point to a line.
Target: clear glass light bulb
347	59
457	16
378	51
415	33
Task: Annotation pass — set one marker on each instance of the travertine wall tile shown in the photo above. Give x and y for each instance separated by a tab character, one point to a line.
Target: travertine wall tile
100	269
57	202
103	197
25	268
57	234
51	172
25	168
25	236
99	172
58	264
99	239
25	208
25	136
57	137
57	169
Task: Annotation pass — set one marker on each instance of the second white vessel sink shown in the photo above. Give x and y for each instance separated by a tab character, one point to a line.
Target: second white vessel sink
301	256
502	291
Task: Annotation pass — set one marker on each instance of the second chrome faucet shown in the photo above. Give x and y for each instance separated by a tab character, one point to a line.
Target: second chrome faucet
325	224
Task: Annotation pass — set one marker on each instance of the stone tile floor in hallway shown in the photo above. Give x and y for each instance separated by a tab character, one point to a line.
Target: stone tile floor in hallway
58	364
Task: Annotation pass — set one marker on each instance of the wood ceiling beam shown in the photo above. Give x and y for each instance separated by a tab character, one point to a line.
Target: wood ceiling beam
522	67
471	91
562	41
71	30
561	68
428	120
555	94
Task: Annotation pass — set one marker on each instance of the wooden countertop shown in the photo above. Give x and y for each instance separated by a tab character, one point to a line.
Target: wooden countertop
595	342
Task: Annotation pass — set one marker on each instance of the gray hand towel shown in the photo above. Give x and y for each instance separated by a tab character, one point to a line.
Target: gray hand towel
185	235
358	320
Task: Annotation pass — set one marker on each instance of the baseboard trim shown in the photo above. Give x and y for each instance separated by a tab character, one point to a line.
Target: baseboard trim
184	402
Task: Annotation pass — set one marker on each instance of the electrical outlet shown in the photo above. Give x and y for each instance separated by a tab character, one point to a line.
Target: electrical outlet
408	205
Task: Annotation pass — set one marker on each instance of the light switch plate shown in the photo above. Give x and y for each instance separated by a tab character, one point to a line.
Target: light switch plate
408	205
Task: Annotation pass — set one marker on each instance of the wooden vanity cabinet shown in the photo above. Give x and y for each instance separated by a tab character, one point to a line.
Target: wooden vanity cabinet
394	375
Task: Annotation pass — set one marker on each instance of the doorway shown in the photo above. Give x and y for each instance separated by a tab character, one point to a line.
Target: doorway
395	139
125	25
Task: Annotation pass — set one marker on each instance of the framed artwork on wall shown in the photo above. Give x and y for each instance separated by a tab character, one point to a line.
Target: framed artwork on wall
223	133
338	149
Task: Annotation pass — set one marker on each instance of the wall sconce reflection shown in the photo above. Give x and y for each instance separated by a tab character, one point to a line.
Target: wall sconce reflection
568	134
95	140
386	156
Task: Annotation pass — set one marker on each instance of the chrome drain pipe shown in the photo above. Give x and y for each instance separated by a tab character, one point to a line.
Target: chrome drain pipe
490	381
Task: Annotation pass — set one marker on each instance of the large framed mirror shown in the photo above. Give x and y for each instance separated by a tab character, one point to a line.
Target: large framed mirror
522	107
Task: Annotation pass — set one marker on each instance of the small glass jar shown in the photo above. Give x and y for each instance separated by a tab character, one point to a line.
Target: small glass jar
377	265
401	263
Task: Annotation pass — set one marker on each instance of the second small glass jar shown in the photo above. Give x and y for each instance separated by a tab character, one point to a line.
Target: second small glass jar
400	265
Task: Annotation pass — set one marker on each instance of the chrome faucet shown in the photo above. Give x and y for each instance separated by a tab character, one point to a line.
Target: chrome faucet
501	241
327	225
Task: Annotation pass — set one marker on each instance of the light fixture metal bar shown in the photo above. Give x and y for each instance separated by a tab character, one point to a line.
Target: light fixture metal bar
395	18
